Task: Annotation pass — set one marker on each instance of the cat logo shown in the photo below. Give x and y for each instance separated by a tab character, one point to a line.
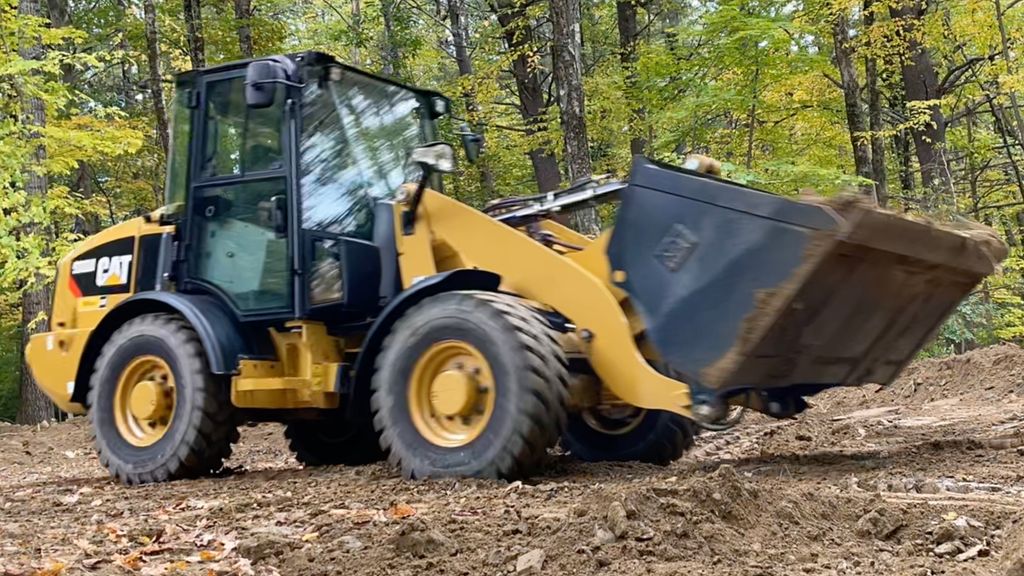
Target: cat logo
113	270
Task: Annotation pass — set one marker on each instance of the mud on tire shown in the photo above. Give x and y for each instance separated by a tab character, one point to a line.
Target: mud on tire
529	377
202	425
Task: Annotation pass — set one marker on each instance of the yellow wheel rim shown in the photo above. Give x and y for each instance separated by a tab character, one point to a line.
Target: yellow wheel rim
451	394
144	400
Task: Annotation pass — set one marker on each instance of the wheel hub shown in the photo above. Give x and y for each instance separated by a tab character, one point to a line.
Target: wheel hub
144	400
149	400
453	393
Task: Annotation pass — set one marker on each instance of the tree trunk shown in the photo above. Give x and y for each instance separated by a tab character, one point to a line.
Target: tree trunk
518	33
875	123
567	60
1002	128
357	24
34	406
752	119
60	17
460	40
156	88
58	12
127	90
389	49
628	36
856	120
921	83
1010	68
243	14
194	33
901	143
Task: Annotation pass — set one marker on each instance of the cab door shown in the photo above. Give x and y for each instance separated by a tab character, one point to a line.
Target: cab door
239	235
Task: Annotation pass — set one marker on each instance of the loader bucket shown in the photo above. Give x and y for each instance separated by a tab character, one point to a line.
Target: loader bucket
742	289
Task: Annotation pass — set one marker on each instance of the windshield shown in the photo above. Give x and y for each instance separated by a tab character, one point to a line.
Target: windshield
357	133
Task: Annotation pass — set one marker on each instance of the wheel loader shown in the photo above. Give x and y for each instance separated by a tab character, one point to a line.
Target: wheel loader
307	268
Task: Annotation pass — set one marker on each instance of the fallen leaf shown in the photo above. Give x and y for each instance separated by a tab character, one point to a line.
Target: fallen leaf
69	453
401	510
207	556
53	569
131	561
113	532
950	516
93	562
310	537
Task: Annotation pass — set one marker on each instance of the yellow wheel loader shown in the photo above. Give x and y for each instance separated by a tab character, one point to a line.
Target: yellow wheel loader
307	268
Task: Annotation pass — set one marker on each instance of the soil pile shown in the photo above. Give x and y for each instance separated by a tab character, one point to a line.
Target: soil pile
922	478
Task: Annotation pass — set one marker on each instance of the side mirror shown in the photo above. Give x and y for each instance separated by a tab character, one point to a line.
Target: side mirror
472	143
261	78
279	215
439	106
434	157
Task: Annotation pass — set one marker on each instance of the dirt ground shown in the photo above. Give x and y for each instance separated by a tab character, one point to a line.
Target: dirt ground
924	477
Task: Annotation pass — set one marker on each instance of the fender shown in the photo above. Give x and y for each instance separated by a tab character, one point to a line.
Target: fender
459	279
221	335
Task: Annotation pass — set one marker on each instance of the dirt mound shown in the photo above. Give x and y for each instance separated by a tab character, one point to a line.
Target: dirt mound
987	374
901	481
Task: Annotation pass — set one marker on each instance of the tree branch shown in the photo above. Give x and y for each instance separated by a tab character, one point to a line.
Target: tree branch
956	72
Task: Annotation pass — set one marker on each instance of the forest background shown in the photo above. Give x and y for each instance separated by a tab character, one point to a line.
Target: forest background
914	102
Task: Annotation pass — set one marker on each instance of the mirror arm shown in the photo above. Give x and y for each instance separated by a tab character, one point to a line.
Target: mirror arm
276	81
409	216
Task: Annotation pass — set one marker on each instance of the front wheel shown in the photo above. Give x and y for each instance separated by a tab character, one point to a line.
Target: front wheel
157	413
627	434
470	384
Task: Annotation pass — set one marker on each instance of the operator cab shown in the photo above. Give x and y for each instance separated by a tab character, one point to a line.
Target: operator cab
282	172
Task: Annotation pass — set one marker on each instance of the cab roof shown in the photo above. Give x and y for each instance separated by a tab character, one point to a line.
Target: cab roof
308	58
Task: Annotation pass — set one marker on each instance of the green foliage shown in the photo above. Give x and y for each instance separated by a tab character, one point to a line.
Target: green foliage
10	369
752	83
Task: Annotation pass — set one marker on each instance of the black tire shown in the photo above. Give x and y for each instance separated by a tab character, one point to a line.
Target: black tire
530	381
658	438
334	440
203	426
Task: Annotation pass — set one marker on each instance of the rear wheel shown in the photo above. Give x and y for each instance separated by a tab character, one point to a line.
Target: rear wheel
157	413
469	384
627	433
334	440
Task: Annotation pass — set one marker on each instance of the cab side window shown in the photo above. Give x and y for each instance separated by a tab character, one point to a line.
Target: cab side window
240	140
237	247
